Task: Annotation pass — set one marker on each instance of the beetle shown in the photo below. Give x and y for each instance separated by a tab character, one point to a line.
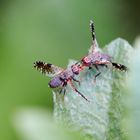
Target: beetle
61	77
96	58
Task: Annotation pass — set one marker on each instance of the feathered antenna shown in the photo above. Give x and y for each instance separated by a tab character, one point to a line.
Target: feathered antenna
43	67
119	66
94	47
92	30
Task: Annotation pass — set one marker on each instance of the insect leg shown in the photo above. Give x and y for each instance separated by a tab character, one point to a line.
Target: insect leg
63	88
60	90
74	88
76	80
97	73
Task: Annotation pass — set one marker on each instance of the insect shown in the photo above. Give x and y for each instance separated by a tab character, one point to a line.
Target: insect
61	77
96	58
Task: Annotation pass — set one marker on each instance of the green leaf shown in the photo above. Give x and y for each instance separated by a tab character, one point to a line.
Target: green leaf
133	103
101	117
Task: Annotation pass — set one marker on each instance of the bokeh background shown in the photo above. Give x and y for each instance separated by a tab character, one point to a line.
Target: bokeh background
54	31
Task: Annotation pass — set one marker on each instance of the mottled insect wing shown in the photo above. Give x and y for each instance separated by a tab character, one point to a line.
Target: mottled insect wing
48	69
94	47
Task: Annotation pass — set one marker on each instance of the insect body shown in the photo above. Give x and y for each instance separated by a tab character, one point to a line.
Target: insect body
60	77
96	58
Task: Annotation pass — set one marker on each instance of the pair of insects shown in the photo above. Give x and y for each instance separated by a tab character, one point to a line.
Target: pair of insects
62	77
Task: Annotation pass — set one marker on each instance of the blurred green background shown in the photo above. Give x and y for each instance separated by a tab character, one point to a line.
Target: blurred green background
53	31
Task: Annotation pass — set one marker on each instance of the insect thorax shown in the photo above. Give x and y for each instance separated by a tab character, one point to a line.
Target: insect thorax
67	74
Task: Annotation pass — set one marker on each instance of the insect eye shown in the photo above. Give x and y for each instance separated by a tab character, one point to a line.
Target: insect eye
86	60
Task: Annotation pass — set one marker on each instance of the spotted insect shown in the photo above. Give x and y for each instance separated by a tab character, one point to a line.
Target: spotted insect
61	77
96	58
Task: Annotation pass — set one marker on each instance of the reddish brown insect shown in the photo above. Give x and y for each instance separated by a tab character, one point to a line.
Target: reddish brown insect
96	58
60	77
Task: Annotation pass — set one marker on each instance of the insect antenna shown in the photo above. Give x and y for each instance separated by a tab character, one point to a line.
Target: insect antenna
120	66
92	30
39	65
94	47
43	67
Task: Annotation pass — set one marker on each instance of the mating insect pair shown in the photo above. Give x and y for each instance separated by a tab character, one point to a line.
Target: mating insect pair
62	77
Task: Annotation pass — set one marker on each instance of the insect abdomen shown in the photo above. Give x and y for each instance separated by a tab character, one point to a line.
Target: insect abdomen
55	82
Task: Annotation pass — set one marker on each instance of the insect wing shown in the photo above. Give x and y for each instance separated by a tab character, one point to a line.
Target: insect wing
47	69
94	48
55	70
